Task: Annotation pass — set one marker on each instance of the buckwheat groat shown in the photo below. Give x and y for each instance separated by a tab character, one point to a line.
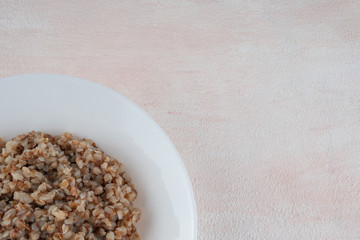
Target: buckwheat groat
63	188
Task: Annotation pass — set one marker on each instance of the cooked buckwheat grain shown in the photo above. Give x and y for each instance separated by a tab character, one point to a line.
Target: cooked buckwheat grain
63	188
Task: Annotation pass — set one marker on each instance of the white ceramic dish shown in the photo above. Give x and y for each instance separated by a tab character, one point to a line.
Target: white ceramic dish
56	103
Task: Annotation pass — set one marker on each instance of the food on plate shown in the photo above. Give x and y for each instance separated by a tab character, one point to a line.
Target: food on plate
63	187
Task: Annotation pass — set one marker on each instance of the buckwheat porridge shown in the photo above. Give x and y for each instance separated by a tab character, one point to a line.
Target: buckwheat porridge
63	187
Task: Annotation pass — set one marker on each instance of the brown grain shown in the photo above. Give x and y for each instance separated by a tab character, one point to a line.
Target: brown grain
63	188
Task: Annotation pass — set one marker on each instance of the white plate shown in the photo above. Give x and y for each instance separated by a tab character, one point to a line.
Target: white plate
56	103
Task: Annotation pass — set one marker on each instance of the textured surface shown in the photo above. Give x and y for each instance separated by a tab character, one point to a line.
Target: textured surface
261	99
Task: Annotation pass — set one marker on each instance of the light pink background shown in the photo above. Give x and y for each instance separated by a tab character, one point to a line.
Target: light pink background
261	98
